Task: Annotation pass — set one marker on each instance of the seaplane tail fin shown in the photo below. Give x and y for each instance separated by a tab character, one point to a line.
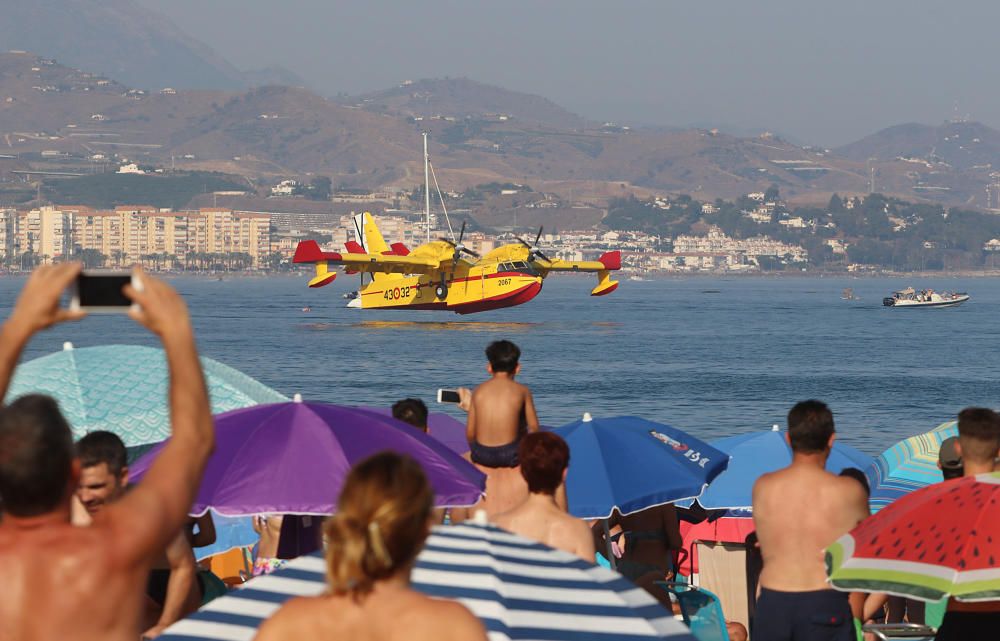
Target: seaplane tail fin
371	240
368	234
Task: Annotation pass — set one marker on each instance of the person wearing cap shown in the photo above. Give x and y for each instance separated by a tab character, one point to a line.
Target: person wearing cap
949	459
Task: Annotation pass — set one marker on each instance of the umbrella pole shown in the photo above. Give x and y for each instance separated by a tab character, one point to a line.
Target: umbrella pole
610	550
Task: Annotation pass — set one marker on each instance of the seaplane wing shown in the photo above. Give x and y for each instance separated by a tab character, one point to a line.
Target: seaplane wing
309	251
608	262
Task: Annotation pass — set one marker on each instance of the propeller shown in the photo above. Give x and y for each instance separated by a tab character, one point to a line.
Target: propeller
533	249
459	247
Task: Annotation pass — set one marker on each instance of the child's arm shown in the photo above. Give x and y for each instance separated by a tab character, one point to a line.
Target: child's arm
529	411
470	424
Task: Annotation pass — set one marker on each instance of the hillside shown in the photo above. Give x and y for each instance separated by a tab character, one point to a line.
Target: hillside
116	38
463	98
57	119
962	145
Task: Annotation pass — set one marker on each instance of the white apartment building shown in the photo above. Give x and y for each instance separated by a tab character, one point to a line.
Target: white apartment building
46	232
8	232
715	242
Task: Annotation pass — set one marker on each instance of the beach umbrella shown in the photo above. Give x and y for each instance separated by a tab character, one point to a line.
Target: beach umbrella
934	542
519	590
757	453
230	532
123	389
292	458
908	465
443	427
632	464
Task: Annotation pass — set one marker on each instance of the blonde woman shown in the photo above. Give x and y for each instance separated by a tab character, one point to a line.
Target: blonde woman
383	518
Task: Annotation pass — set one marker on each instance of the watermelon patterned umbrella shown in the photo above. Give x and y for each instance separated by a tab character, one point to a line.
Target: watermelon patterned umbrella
908	465
934	542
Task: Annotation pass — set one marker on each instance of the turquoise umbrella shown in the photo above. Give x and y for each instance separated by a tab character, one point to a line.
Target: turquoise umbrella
908	465
123	389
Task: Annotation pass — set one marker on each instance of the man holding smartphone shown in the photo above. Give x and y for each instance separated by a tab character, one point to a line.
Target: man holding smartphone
66	582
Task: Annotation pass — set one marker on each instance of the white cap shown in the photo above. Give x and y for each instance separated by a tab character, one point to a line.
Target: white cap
587	417
297	398
775	428
67	346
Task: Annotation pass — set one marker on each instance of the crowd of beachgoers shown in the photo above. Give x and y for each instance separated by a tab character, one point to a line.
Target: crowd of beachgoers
84	554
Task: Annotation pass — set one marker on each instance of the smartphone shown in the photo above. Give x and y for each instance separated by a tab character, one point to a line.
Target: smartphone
102	292
448	396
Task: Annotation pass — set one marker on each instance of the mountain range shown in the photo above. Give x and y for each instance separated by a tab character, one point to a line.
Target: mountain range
99	89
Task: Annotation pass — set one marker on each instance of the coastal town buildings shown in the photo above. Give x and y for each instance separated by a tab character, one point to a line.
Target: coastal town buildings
211	237
130	234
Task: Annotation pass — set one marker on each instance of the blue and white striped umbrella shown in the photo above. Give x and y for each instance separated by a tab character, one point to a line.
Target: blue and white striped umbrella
518	588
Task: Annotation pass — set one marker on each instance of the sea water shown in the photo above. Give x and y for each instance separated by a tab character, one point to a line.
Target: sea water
714	356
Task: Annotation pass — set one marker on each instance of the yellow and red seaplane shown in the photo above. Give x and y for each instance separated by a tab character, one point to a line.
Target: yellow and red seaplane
445	274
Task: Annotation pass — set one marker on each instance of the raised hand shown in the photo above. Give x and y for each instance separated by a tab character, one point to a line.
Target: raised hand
38	305
160	308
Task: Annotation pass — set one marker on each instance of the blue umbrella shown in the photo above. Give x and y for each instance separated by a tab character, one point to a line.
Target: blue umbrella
123	389
632	464
908	465
758	453
230	532
519	590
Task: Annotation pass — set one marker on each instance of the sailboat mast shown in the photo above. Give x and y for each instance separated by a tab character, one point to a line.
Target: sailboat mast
427	189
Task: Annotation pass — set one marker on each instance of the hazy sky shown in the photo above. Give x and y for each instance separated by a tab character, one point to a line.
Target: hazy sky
825	73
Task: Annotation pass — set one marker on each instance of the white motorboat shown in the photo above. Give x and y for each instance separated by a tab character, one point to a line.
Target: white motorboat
925	298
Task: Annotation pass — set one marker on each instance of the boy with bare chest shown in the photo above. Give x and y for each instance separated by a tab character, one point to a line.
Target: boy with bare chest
501	411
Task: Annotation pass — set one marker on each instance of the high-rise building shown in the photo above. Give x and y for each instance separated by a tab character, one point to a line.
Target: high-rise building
46	232
8	233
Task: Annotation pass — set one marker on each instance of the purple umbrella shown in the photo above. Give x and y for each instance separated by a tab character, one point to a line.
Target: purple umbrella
443	427
292	458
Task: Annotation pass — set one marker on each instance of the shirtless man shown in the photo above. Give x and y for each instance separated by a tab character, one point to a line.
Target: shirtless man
978	448
83	583
501	410
798	511
173	587
544	460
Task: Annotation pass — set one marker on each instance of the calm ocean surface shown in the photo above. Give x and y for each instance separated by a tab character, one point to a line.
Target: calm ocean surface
712	356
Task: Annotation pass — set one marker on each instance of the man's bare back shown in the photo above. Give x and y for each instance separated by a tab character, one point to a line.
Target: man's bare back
540	519
66	582
47	570
798	511
390	613
502	410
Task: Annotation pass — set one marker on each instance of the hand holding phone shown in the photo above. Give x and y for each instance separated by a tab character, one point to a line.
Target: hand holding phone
103	292
448	396
38	305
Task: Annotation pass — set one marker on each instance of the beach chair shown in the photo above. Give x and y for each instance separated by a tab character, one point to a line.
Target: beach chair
701	610
899	631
